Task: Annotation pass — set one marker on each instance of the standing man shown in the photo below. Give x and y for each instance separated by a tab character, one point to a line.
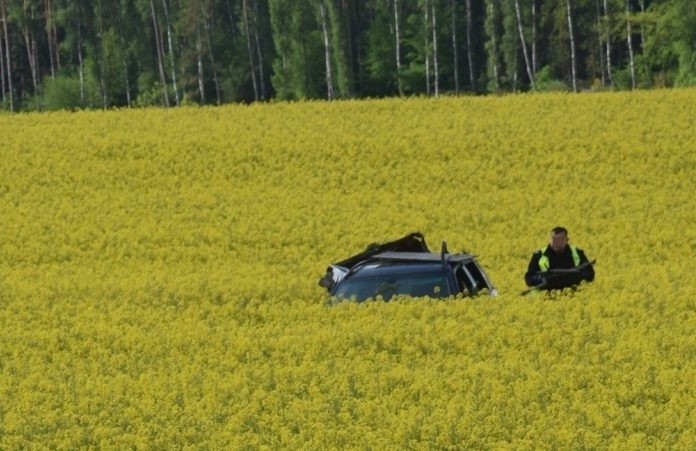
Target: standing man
559	265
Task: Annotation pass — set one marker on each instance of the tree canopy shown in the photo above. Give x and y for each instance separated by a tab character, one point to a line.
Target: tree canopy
71	54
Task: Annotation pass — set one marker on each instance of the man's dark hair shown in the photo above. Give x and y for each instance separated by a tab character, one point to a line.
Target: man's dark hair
557	230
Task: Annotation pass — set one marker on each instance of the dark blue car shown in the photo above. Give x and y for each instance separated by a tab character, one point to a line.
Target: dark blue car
406	267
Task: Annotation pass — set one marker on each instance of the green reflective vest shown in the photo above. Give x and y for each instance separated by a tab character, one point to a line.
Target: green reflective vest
544	260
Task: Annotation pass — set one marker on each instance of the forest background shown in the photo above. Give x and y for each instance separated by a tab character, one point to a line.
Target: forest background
75	54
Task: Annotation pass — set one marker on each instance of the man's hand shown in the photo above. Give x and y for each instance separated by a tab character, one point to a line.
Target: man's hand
538	279
558	278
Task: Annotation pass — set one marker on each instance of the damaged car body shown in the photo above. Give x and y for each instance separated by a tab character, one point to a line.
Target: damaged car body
405	267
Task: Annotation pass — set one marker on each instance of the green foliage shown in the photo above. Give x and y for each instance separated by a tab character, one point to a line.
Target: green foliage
546	83
509	45
622	79
670	47
380	57
151	97
299	66
62	93
339	47
120	46
114	55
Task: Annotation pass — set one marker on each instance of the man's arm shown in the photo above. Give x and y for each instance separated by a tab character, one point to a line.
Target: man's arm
563	278
533	275
587	270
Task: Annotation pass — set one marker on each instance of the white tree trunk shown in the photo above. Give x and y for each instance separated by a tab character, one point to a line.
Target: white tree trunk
199	62
160	51
398	47
608	42
455	53
600	40
469	50
327	52
171	52
30	45
572	47
629	33
426	21
494	43
2	66
436	70
530	74
8	59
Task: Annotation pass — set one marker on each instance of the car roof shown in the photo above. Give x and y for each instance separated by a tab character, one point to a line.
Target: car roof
422	257
384	267
406	262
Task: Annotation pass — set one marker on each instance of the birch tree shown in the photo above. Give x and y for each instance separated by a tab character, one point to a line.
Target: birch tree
172	65
573	64
607	41
259	51
3	72
426	45
523	42
24	16
600	41
327	51
397	44
340	48
8	58
455	50
199	62
469	49
629	39
160	53
436	66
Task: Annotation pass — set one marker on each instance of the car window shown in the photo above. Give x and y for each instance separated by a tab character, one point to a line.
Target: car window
465	280
472	277
387	286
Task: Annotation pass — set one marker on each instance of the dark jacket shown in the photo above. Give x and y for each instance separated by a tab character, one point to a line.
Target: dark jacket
564	260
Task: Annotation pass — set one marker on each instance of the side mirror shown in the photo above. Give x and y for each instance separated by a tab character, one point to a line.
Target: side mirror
327	282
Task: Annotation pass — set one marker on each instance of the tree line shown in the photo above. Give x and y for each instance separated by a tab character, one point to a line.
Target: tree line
57	54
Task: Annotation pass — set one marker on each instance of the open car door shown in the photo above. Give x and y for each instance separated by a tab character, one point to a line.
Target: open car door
413	242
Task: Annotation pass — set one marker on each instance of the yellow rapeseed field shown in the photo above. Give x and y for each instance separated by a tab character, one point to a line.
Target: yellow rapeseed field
159	268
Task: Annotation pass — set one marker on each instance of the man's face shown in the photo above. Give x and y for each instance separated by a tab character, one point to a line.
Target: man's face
558	241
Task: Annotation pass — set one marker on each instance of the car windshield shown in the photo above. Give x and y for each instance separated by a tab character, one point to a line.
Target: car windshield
432	284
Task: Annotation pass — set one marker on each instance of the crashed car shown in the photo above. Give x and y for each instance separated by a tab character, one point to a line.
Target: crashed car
405	267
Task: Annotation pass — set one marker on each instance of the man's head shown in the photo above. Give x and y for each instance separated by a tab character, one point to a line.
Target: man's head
559	239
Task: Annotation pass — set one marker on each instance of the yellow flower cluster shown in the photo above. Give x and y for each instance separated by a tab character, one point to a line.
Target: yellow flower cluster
158	275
